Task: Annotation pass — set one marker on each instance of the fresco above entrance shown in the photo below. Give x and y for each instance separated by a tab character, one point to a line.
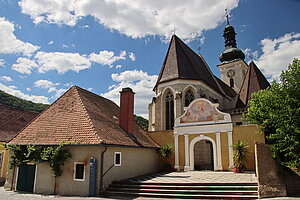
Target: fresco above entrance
202	110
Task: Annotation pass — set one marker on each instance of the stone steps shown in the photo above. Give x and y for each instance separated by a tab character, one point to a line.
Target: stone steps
184	190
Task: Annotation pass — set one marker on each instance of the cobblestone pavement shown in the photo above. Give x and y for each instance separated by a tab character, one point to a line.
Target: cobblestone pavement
199	177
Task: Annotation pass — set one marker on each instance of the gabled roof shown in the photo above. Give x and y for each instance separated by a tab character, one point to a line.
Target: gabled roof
13	120
181	62
84	118
253	82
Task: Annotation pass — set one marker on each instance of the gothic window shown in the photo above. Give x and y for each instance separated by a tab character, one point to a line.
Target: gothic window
188	98
169	102
231	82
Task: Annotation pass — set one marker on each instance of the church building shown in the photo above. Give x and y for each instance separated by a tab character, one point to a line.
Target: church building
199	114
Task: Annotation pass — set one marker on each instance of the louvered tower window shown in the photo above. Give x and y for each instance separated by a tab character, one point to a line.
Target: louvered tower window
231	80
169	101
188	98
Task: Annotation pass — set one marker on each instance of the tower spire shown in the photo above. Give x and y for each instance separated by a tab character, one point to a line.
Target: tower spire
231	51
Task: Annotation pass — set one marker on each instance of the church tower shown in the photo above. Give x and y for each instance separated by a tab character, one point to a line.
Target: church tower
233	67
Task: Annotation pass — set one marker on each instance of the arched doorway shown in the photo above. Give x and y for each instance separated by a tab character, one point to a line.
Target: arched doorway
203	155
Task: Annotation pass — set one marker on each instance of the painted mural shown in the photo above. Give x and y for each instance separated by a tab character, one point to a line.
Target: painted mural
201	111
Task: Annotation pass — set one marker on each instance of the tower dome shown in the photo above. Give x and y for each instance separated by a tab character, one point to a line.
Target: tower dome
231	52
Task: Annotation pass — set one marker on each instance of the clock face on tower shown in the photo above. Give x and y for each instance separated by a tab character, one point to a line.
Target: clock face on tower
230	73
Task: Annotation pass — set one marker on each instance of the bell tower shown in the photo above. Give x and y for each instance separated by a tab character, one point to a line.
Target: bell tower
233	67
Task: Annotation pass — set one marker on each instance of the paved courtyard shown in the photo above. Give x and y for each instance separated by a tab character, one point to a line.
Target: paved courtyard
178	177
199	177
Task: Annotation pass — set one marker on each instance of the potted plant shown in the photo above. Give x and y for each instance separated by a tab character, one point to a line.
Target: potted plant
240	156
166	151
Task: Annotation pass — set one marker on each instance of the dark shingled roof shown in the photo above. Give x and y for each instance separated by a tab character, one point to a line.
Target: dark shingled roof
253	82
82	117
12	121
181	62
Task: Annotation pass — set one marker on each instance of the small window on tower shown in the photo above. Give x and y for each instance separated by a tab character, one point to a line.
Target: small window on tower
231	82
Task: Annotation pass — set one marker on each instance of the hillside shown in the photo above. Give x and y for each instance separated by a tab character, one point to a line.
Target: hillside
15	102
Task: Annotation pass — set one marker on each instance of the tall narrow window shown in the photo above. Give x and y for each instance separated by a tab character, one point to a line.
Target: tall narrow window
169	100
188	98
231	82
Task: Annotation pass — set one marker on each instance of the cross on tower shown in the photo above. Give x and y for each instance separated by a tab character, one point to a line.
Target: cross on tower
174	30
227	16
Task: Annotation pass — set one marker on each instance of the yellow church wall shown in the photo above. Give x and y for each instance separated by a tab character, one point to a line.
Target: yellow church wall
4	160
224	151
161	138
249	134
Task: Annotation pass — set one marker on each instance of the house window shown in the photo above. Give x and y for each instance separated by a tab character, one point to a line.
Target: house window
231	80
117	160
79	171
188	98
169	103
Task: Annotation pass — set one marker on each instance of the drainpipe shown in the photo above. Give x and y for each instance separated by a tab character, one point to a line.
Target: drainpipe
101	169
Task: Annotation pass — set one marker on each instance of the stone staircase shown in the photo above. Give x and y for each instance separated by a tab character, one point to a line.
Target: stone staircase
183	190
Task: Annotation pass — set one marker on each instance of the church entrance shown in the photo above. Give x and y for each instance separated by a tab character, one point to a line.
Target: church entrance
203	155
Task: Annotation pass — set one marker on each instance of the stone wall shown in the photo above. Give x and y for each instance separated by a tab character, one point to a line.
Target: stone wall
270	183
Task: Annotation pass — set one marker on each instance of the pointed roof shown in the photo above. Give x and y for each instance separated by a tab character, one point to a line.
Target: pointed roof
13	120
81	117
181	62
253	82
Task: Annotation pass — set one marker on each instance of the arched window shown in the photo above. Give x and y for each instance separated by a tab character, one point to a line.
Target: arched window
231	82
169	102
188	98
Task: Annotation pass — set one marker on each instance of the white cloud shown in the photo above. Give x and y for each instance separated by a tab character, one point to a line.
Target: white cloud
90	89
140	82
56	11
107	57
64	46
278	53
61	62
28	89
51	42
45	84
18	93
50	86
135	18
2	63
24	65
250	54
6	78
9	42
132	56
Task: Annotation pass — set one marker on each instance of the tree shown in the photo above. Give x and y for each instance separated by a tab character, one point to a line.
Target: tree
142	122
277	110
240	155
166	151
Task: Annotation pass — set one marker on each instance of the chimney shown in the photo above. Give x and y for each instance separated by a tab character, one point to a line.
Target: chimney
126	118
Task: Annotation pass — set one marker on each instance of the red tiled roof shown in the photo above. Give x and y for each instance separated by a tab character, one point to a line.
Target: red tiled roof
84	118
12	121
181	62
253	82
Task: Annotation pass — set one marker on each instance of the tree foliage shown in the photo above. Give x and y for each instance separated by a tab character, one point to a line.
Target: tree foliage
277	110
142	122
54	155
15	102
240	155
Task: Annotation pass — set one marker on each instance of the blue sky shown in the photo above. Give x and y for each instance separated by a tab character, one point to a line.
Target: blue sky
102	46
